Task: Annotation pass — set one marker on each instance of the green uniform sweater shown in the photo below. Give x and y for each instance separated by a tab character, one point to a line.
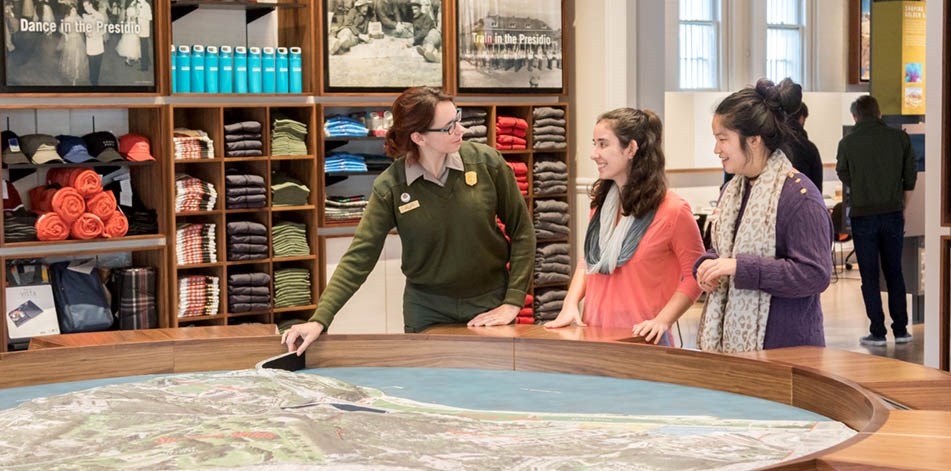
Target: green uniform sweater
452	245
878	164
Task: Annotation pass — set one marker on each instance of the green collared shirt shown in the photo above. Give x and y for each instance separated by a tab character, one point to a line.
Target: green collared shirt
414	170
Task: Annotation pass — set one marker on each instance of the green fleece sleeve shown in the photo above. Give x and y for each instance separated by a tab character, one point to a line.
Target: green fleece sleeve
518	224
360	258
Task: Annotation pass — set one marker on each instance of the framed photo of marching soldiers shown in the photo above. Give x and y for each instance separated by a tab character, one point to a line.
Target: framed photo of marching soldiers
382	45
510	46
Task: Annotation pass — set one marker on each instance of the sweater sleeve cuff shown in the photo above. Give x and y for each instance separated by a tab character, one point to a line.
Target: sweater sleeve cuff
322	318
514	297
747	272
710	255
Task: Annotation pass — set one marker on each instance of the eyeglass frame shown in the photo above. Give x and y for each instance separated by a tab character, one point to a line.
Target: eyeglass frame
451	126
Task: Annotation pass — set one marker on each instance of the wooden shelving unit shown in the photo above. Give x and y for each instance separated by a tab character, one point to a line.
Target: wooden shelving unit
145	249
212	119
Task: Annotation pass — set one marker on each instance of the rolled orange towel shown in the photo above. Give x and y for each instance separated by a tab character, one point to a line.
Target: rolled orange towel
87	181
87	226
59	176
116	226
41	199
68	203
102	204
51	227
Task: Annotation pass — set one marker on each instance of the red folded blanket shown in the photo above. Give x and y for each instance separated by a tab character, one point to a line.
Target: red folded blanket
85	180
68	203
116	226
507	131
511	122
520	168
525	320
102	204
529	300
87	226
513	140
51	227
501	146
41	199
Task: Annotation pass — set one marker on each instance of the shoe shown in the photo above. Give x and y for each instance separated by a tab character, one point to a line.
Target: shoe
904	338
873	341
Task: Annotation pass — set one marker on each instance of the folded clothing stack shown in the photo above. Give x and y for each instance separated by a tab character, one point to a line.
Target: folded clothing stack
288	137
526	315
474	120
551	219
19	226
548	128
192	194
521	174
244	190
549	176
292	287
243	139
195	243
192	144
510	133
552	264
344	162
247	240
198	296
548	303
377	162
249	292
288	191
289	239
343	126
344	209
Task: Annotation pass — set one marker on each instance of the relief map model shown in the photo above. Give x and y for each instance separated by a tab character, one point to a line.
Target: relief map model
277	420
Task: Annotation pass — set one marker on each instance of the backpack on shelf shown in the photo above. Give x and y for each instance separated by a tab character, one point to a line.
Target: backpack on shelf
80	298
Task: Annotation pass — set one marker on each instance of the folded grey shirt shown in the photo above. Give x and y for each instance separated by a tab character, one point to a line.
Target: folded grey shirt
243	137
243	145
555	130
246	227
551	205
244	180
560	248
547	112
243	127
549	166
549	122
249	279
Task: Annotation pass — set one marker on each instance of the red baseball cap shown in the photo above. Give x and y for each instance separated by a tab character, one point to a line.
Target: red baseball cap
135	147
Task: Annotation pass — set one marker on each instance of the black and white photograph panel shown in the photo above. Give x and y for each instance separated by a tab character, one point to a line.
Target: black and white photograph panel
385	45
510	44
78	45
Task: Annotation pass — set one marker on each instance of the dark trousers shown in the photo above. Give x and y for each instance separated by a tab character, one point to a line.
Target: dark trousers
880	237
145	44
423	310
95	63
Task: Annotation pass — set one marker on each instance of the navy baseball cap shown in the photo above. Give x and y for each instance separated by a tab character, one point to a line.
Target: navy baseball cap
103	145
73	149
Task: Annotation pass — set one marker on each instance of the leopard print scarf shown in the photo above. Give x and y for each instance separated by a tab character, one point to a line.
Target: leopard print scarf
734	320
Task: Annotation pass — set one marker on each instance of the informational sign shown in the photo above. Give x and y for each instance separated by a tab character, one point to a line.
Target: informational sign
898	53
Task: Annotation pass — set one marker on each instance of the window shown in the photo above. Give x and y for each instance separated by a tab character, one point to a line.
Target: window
699	44
784	39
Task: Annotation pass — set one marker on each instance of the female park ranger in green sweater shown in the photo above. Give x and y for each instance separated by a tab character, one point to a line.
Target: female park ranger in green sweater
443	196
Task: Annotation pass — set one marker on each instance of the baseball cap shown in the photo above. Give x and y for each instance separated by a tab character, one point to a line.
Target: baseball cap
73	149
40	148
135	147
103	145
11	149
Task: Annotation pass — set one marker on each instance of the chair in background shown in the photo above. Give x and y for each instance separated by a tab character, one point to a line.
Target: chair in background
840	236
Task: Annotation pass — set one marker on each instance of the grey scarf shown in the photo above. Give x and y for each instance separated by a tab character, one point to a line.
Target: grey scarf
624	245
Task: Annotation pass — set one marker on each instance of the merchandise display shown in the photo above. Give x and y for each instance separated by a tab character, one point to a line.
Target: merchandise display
225	69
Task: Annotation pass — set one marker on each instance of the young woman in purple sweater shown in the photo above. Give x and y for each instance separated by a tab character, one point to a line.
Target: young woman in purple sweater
772	233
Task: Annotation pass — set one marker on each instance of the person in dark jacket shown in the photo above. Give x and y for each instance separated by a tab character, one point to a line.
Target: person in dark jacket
878	164
802	152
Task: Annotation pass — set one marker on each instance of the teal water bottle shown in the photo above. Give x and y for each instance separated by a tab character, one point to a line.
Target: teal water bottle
254	69
225	70
184	69
174	69
296	71
282	70
268	70
211	69
240	69
198	68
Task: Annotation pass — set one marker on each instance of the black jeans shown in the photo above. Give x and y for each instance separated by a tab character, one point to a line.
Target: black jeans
881	237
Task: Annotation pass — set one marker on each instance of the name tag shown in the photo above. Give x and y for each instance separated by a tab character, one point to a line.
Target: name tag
409	207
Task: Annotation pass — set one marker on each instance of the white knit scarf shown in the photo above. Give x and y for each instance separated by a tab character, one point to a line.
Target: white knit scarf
609	242
734	320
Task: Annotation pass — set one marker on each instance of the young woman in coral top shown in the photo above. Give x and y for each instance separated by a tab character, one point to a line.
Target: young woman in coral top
642	239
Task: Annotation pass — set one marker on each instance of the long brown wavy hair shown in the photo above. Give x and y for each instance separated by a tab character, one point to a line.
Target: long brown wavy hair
646	183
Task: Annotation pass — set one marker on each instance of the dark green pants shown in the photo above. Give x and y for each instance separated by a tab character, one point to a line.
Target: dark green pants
422	310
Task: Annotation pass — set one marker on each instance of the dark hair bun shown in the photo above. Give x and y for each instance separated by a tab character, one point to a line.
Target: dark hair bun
786	97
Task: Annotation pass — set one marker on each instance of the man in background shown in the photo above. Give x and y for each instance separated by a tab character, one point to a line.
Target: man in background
878	164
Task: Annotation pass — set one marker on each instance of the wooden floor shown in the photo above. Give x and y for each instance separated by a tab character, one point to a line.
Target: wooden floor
845	322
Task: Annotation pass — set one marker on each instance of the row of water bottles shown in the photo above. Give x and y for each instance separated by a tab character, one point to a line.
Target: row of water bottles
238	69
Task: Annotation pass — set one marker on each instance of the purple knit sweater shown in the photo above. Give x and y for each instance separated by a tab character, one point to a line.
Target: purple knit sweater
801	270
